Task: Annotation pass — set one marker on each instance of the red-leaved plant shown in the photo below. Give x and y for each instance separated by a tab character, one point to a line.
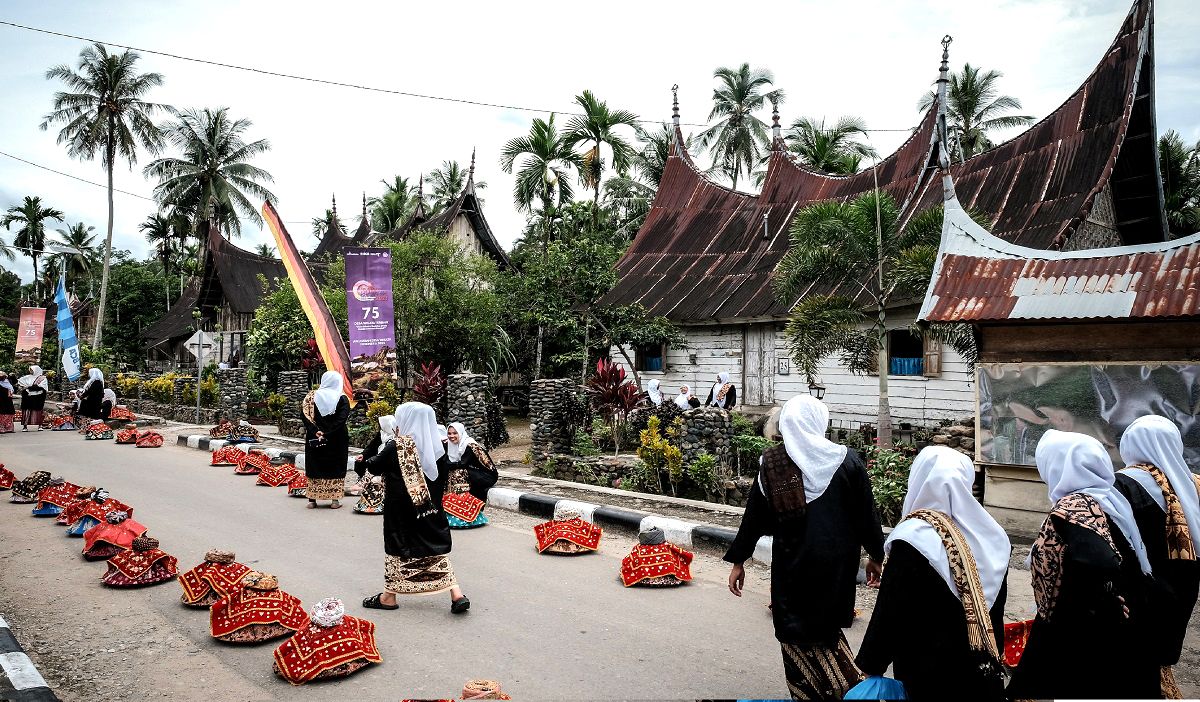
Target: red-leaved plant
310	358
613	397
430	384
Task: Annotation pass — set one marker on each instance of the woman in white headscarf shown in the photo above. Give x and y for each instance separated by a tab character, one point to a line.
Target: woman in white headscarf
7	408
416	537
654	393
326	441
946	577
684	400
371	493
1162	491
471	475
91	395
1091	584
34	387
722	394
107	403
814	497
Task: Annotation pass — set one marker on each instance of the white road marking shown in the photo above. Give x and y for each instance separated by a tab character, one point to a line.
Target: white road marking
21	672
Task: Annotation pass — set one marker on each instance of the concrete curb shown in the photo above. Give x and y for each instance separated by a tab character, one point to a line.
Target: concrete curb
27	684
682	533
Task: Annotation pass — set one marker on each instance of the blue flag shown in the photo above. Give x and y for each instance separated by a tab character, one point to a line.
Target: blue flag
66	332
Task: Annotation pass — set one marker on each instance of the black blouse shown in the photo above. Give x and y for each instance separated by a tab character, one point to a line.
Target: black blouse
329	460
404	535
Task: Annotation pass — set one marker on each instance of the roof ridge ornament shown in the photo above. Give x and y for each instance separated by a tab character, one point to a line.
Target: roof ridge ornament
364	204
776	130
941	134
471	170
333	217
675	105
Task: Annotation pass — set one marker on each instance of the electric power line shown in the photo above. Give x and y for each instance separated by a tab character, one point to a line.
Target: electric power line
337	83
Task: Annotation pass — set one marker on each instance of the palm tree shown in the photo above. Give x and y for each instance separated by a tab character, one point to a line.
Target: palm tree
265	250
446	184
835	149
738	138
212	177
1179	165
105	115
628	197
975	108
543	179
320	225
80	254
397	203
31	237
596	128
161	233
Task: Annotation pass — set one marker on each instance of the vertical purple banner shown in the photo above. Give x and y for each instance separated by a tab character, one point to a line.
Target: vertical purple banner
371	318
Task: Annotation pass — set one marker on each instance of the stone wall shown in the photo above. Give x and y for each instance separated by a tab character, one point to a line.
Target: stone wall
708	430
234	392
547	411
959	436
608	471
466	402
294	386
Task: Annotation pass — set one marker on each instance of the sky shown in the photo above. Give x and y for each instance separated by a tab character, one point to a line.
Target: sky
872	59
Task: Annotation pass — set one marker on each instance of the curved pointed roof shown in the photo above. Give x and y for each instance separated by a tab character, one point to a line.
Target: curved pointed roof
706	253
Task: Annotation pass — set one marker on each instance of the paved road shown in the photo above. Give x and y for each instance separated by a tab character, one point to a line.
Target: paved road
546	627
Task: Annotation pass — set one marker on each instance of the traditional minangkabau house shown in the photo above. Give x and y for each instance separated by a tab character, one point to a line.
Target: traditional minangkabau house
1084	176
335	240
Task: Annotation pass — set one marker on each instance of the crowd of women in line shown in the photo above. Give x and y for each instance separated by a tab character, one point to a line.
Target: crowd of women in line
93	400
722	395
1114	569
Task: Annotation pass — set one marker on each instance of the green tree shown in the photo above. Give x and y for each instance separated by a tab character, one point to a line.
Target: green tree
265	250
1179	165
628	197
137	292
446	184
595	129
212	177
104	114
393	208
738	138
834	149
855	246
31	217
79	258
159	230
975	108
321	225
10	290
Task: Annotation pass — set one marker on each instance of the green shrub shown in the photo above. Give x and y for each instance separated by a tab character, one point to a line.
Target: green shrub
210	395
888	470
660	454
741	425
160	389
583	445
703	473
275	405
127	386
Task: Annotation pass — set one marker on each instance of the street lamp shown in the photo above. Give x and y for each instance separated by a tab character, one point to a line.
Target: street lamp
816	390
199	360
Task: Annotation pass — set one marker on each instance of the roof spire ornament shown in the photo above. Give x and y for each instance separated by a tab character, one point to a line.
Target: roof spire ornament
471	170
675	105
334	217
776	130
941	133
364	204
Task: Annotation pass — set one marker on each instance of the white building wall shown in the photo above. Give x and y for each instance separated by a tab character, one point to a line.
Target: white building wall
853	398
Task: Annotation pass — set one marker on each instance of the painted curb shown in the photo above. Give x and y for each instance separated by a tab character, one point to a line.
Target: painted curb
22	675
679	532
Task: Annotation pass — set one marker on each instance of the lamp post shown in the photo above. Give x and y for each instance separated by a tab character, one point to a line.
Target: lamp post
816	390
199	359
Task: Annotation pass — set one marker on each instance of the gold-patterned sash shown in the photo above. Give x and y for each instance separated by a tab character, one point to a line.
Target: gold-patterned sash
1180	546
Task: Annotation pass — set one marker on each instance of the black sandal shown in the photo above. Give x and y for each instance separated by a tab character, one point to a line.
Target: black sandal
373	602
460	605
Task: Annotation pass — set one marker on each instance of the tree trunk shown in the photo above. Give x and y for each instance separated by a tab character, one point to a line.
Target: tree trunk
537	363
36	279
98	336
884	420
584	370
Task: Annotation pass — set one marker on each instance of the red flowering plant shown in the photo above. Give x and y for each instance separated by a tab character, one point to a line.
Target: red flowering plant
430	385
310	357
613	397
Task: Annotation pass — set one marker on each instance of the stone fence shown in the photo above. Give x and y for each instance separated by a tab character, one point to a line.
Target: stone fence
959	436
466	402
549	423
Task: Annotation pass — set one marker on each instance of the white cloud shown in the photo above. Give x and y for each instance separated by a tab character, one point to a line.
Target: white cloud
868	58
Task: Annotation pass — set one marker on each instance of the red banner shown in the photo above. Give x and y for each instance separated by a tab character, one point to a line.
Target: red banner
29	335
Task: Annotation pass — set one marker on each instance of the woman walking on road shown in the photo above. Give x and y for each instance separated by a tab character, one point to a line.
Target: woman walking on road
814	497
327	441
33	397
416	536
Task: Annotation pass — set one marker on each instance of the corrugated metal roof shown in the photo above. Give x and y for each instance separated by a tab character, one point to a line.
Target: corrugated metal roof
1036	188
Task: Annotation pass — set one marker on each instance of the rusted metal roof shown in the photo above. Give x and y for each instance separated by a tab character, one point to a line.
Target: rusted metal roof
703	253
979	277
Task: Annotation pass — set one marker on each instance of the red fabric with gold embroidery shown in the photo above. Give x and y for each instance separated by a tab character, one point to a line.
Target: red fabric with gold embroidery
6	478
127	436
120	535
227	456
655	561
575	530
463	505
298	486
149	439
221	578
135	565
247	606
121	414
1016	635
315	649
274	476
98	510
59	495
252	464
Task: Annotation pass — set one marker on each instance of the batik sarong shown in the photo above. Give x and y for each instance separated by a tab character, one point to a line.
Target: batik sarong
820	672
418	576
326	488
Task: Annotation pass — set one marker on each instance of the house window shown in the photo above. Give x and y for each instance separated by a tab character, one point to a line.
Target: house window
650	357
906	353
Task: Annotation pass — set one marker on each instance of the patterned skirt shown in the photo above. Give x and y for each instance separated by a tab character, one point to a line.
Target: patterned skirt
31	417
6	423
820	672
418	576
326	488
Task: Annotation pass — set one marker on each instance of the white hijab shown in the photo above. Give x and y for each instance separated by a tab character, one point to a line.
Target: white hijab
417	419
722	379
94	374
110	396
1070	463
329	393
802	422
387	428
1156	440
654	393
36	377
455	451
682	398
940	479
